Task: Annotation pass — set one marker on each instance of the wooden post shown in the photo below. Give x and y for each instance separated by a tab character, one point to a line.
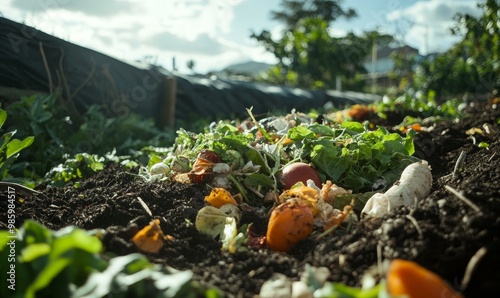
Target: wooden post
167	112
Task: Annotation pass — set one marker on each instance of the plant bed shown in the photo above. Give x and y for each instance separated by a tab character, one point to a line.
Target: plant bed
442	232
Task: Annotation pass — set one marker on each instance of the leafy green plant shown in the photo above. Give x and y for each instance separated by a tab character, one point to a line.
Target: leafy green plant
338	290
419	104
10	148
69	263
352	155
134	276
85	165
47	263
472	65
59	133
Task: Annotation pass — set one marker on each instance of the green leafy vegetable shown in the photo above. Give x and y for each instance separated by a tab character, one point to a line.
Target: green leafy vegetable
69	263
337	290
49	263
135	276
60	131
10	148
353	156
483	145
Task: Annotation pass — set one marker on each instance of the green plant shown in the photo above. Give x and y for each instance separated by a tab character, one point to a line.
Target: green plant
85	165
472	65
69	263
352	155
419	104
58	135
46	263
10	148
134	276
308	55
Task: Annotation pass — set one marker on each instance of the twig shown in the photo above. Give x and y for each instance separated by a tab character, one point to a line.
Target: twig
415	223
46	65
63	76
69	102
491	157
87	79
21	188
471	266
328	231
380	266
459	163
143	204
463	198
255	191
415	204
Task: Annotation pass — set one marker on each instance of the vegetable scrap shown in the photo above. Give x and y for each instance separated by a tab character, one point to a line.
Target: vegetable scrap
360	112
219	197
301	208
203	164
293	161
298	172
414	185
211	220
150	238
304	194
409	279
290	223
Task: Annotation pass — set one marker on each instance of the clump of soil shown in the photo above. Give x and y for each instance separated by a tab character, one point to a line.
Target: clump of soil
442	233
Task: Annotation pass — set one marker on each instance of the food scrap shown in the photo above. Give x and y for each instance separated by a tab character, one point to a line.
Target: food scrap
290	223
150	238
409	279
219	197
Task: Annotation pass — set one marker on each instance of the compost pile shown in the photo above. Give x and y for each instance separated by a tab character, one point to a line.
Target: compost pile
443	232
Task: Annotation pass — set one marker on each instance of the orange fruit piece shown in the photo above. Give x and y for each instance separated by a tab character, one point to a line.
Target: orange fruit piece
290	222
409	279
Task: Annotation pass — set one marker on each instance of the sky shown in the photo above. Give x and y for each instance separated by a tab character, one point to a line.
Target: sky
216	33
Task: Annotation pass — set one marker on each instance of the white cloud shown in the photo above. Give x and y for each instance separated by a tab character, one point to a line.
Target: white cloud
202	44
90	7
335	32
426	24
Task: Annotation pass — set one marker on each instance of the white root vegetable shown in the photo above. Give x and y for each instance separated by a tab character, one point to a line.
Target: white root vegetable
415	184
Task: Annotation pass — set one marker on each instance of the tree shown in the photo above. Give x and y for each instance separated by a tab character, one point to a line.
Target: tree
473	64
308	55
295	10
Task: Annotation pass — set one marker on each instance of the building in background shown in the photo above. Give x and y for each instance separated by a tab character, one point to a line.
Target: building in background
388	64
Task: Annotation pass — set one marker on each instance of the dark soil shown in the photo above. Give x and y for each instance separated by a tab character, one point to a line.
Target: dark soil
444	236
